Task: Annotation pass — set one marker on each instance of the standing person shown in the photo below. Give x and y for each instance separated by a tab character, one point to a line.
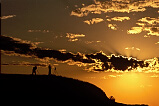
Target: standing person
34	70
55	68
55	72
49	69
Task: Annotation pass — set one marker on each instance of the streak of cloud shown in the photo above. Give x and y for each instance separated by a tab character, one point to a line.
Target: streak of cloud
118	19
157	43
154	76
90	42
25	64
93	21
74	37
8	16
43	31
132	48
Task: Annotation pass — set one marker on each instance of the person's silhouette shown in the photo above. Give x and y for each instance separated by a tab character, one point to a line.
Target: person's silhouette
34	70
55	72
49	70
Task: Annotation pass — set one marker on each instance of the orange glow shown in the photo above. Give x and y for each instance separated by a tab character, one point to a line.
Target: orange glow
133	88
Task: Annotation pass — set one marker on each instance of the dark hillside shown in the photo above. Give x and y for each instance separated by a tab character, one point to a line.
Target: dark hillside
42	89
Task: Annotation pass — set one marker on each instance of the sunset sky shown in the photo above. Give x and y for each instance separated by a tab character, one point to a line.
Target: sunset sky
110	43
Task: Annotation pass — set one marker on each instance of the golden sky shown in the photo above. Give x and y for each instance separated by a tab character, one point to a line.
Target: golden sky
80	37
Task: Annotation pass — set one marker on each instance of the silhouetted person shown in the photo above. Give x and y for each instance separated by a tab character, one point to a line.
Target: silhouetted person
55	72
34	70
49	70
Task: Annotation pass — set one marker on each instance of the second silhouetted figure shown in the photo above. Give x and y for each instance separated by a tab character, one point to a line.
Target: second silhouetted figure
34	70
49	70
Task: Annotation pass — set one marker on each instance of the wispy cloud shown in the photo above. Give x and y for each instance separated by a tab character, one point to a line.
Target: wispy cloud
149	21
8	16
154	31
118	19
114	76
24	63
127	6
157	43
62	50
93	21
74	37
43	31
154	76
112	26
132	48
146	24
90	42
135	30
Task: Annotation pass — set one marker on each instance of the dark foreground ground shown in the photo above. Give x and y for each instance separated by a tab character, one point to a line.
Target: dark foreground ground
51	90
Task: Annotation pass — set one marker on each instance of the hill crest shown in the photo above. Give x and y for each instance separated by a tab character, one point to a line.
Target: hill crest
53	89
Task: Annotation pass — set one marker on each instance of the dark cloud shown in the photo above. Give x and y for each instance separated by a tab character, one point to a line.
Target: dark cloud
25	48
117	62
107	62
25	64
10	44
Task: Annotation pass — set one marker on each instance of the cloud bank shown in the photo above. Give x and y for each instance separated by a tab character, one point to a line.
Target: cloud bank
98	61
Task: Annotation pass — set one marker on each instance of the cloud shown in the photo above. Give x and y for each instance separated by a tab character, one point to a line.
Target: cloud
112	26
148	25
15	46
43	31
90	42
23	63
157	43
6	17
149	21
74	37
118	19
114	76
132	48
127	6
104	62
62	50
78	13
135	30
95	61
93	21
154	76
154	31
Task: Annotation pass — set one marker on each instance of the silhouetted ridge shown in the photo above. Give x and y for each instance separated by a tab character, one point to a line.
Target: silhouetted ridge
51	90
